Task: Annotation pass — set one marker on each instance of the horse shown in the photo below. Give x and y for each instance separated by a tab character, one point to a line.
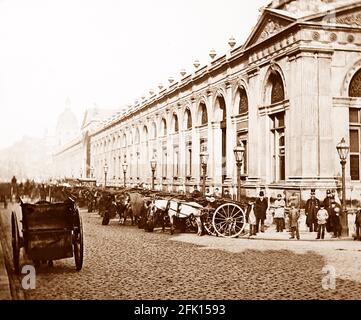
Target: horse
123	208
173	209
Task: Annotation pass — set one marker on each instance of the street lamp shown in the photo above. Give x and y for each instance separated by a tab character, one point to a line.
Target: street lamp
125	166
105	174
153	166
91	171
343	149
204	160
239	153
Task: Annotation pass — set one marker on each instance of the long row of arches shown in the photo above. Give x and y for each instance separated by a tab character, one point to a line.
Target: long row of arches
169	136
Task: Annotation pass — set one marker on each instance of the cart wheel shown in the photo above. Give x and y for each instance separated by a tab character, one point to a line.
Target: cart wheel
208	225
229	220
78	242
15	240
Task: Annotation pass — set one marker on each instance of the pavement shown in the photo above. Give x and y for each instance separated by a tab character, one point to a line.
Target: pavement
124	262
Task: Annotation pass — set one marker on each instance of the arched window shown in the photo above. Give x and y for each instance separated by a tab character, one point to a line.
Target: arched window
137	136
277	92
355	128
163	128
189	119
175	123
124	140
154	131
145	134
243	101
355	85
204	114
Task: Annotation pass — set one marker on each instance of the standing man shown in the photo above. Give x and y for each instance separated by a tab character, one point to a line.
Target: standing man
227	195
312	207
327	203
260	209
336	219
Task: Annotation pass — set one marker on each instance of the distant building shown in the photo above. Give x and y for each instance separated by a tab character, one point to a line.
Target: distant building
67	127
72	158
289	94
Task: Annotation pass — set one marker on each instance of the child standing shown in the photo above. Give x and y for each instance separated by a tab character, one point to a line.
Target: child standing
251	219
294	215
279	215
322	216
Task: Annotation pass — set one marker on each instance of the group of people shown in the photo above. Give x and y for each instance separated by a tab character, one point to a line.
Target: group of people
320	216
324	216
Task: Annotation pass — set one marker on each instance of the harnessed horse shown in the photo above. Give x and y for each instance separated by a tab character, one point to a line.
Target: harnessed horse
177	209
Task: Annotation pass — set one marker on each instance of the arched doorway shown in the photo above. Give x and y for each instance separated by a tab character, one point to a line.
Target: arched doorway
275	96
355	126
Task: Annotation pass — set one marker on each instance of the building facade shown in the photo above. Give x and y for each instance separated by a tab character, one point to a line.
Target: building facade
290	93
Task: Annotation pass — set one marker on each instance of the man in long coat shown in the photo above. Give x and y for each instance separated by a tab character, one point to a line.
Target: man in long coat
311	209
260	209
327	204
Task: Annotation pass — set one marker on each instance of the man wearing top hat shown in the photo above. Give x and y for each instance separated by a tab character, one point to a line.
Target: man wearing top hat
260	209
311	209
327	204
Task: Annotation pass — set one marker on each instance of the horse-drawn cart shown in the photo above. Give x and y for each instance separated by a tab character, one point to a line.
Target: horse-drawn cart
224	217
50	231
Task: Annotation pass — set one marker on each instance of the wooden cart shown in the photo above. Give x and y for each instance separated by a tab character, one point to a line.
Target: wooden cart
50	231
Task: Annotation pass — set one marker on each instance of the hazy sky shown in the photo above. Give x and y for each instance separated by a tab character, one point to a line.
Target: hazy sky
107	52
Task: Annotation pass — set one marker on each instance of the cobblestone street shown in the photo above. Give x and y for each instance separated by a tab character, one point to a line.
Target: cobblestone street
123	262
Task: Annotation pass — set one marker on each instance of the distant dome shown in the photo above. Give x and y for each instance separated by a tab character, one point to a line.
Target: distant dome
67	127
67	121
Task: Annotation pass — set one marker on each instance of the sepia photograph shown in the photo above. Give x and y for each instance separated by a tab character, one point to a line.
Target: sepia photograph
180	150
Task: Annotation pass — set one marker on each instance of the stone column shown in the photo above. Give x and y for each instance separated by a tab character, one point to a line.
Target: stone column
231	134
256	154
215	155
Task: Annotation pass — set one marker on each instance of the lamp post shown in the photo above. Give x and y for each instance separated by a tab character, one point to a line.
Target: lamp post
204	160
239	153
125	166
91	171
153	166
343	150
105	175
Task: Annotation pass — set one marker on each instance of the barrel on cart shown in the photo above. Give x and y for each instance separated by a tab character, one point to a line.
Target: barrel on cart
50	231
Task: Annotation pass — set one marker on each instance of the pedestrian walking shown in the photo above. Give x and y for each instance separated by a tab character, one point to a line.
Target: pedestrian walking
311	209
279	215
322	216
260	209
294	215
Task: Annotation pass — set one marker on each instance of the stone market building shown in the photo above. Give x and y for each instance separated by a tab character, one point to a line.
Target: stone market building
290	93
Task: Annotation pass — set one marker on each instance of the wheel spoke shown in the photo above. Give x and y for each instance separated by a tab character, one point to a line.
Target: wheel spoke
225	213
221	214
234	207
236	213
